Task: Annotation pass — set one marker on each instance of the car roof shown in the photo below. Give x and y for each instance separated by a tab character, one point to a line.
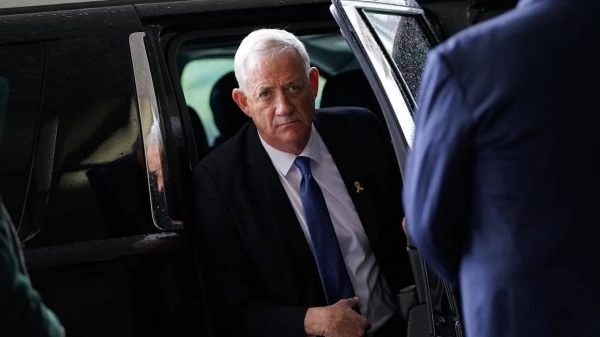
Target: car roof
28	6
172	6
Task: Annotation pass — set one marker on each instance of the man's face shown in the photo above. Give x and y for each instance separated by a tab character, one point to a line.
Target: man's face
280	99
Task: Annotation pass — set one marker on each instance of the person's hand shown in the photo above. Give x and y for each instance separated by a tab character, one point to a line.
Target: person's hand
336	320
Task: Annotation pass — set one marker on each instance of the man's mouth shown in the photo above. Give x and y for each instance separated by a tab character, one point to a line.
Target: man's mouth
288	123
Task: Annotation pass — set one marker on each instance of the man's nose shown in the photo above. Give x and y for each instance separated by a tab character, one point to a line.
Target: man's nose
283	105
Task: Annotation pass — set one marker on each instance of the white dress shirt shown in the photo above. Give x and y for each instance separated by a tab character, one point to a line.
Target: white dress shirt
369	286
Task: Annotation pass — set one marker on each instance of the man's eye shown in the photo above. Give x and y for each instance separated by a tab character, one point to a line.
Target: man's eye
265	93
295	88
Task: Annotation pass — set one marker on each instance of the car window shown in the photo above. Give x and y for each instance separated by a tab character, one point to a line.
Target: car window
21	74
90	149
405	42
197	80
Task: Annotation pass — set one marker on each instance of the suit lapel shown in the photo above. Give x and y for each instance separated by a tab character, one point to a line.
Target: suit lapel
339	142
275	204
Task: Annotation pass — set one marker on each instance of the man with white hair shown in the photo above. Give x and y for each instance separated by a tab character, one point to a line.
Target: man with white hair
298	216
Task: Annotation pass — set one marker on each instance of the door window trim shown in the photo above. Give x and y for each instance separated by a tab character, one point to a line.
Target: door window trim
404	9
384	71
151	127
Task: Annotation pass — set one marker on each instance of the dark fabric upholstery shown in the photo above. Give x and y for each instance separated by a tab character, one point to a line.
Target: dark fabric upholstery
350	88
199	134
229	118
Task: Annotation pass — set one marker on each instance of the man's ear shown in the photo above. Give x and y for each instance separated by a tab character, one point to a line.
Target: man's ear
242	101
313	80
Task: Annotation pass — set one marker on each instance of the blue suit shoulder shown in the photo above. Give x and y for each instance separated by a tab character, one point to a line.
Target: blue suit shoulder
497	40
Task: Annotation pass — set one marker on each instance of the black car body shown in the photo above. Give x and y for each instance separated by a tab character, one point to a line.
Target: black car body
105	116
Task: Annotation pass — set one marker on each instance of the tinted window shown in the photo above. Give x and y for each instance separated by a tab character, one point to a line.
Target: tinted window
21	74
97	184
405	42
197	80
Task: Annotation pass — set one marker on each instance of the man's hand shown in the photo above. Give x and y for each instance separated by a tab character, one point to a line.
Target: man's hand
337	320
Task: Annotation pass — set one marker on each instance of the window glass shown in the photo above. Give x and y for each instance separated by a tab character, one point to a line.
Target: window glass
322	81
197	80
405	42
97	186
21	73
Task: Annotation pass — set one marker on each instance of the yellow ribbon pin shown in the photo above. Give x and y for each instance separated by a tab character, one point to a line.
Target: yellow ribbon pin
358	187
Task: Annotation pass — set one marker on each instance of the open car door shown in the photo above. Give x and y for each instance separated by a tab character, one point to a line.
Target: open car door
390	39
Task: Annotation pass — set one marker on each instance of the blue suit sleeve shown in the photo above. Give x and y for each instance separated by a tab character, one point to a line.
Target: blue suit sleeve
437	185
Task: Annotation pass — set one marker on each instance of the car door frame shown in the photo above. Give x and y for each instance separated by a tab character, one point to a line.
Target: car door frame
398	107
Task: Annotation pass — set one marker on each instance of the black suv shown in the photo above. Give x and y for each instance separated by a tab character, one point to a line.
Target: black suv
108	105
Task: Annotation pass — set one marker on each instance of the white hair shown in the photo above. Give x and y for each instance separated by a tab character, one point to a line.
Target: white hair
267	42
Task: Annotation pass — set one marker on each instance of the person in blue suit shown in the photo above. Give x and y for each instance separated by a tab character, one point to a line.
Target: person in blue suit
501	190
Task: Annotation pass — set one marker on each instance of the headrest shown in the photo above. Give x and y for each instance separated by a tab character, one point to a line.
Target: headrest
228	117
350	88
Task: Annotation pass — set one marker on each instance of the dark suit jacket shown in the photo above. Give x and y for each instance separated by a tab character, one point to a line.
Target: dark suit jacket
260	273
502	183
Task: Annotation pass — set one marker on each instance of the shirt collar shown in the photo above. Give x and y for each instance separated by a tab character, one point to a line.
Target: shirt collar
283	161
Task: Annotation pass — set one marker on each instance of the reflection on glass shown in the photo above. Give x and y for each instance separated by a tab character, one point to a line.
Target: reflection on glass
154	151
116	171
405	42
160	190
153	156
385	74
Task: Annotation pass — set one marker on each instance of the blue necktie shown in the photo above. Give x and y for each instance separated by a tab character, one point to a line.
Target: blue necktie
332	269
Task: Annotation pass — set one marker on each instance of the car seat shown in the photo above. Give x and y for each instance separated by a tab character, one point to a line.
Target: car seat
350	88
229	118
199	134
